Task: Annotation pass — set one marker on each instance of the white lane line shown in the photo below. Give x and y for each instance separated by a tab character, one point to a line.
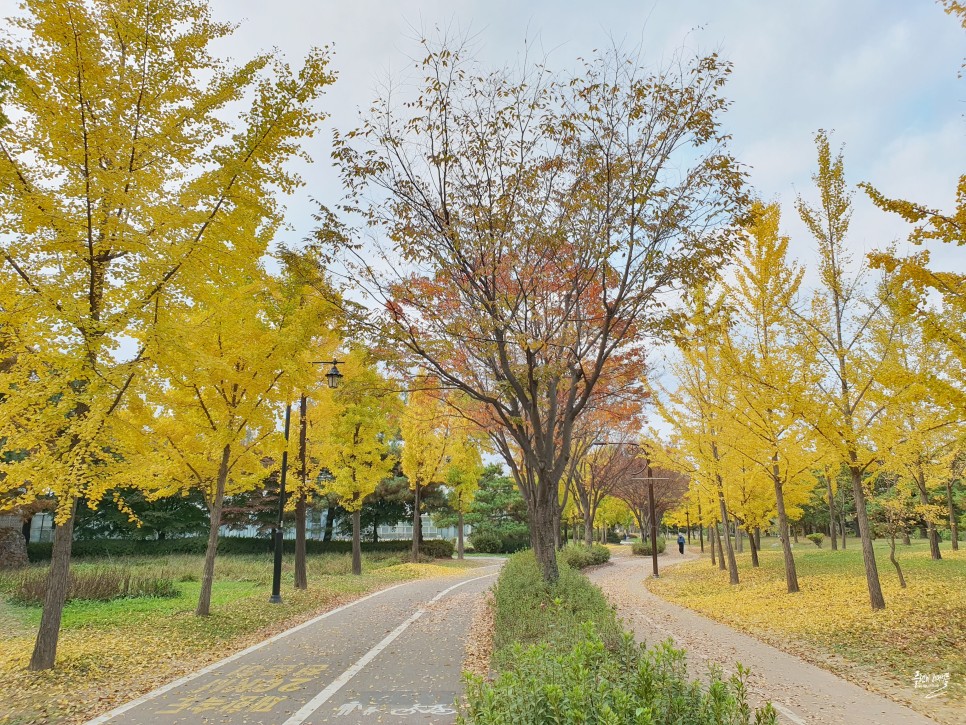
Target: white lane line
339	682
220	663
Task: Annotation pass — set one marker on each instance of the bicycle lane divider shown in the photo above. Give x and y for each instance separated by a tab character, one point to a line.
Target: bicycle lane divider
312	706
266	681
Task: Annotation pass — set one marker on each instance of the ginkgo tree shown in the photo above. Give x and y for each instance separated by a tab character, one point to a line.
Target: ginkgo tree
767	373
426	427
119	180
352	426
208	417
463	473
850	400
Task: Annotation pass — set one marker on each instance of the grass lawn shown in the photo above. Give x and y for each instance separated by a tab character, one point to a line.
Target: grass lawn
830	622
110	652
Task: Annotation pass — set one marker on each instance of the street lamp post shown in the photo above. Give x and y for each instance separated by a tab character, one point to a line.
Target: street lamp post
332	378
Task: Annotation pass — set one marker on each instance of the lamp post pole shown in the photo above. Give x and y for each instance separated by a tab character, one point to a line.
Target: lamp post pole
332	378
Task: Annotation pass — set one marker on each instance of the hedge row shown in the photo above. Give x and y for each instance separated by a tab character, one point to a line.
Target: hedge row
438	548
561	657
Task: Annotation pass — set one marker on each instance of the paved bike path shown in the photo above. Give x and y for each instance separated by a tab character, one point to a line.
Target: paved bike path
392	656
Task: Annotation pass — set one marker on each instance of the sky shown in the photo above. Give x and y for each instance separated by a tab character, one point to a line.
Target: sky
880	75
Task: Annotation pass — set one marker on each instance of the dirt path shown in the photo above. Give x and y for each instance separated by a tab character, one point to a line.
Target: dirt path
800	692
394	656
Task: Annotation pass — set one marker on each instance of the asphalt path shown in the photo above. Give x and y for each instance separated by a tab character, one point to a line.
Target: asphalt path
393	656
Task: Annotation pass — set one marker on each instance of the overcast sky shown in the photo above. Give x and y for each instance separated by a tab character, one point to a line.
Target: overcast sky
880	74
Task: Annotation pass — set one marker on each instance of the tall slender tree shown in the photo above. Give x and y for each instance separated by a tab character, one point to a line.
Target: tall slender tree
119	180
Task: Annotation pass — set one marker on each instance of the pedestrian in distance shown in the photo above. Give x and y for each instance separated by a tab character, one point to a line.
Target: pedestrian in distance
681	542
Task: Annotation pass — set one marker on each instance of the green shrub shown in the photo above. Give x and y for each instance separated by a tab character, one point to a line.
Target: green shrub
578	556
437	548
601	554
592	683
99	584
643	548
816	538
486	543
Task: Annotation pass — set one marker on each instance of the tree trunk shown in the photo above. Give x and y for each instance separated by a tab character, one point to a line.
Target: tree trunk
711	545
931	531
795	533
842	515
732	564
953	525
739	538
831	512
758	538
865	535
58	579
459	537
357	542
301	575
906	541
329	519
208	577
588	526
895	563
720	547
541	539
791	575
754	549
417	522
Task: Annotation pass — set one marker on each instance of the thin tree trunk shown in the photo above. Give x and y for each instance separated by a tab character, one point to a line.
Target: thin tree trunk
711	546
931	531
732	564
758	538
754	549
588	526
895	563
459	537
739	538
906	541
208	576
58	579
357	542
791	575
842	515
831	511
865	535
301	574
720	546
953	525
417	521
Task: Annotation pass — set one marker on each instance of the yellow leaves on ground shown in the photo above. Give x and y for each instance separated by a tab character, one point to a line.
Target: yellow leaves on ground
923	627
